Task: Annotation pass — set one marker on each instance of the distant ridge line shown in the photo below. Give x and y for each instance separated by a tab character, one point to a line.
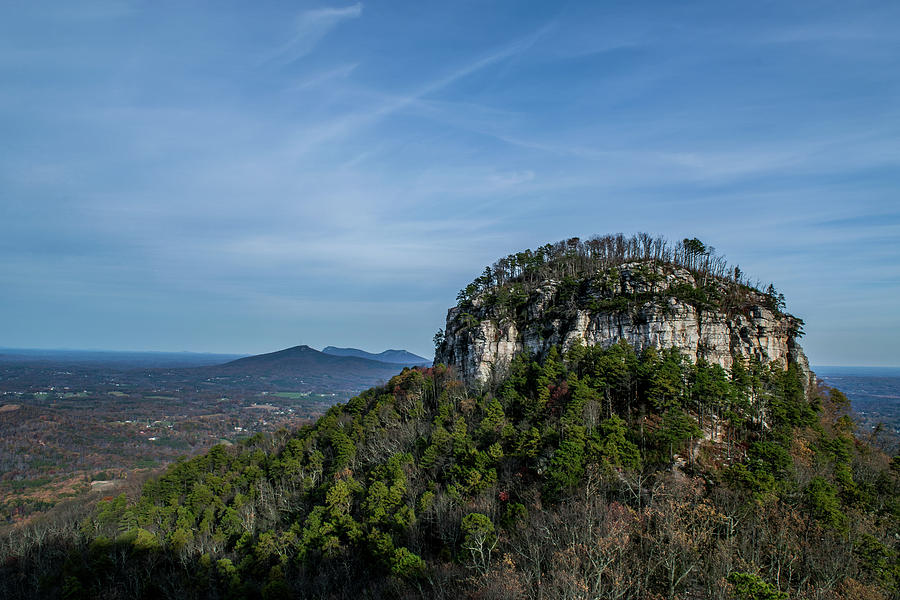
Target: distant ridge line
394	357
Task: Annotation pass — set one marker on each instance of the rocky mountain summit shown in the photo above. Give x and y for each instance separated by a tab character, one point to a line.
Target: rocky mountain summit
632	465
645	293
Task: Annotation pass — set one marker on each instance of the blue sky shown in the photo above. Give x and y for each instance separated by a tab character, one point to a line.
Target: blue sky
243	177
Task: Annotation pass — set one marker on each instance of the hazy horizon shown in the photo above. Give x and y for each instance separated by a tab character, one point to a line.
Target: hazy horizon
222	178
139	351
819	369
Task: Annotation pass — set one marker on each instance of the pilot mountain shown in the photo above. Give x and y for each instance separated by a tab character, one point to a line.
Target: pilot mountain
618	417
613	289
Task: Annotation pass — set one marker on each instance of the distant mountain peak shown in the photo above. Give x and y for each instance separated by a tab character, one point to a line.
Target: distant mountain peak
392	356
302	349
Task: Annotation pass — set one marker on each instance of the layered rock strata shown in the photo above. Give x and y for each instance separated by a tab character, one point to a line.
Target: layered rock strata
656	309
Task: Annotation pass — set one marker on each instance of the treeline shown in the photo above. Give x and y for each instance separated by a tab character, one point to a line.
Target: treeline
577	258
598	473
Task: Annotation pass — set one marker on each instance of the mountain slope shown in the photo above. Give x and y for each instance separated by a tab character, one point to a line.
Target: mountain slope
597	471
420	487
300	367
400	357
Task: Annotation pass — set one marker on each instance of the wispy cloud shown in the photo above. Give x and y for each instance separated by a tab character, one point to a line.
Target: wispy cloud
324	77
355	121
309	29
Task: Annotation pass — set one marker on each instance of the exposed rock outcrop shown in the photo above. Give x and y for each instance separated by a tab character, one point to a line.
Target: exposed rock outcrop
644	303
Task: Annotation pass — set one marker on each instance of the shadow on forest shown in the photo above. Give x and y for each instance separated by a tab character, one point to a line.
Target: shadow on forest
60	568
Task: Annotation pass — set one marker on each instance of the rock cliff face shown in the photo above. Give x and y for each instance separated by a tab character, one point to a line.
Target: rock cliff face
645	304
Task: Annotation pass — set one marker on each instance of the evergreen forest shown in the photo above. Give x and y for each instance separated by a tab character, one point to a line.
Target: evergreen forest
594	473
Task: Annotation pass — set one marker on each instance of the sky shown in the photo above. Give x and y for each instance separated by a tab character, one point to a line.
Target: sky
243	177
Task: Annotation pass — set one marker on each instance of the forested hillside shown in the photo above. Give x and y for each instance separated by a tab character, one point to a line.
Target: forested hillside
597	473
616	470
